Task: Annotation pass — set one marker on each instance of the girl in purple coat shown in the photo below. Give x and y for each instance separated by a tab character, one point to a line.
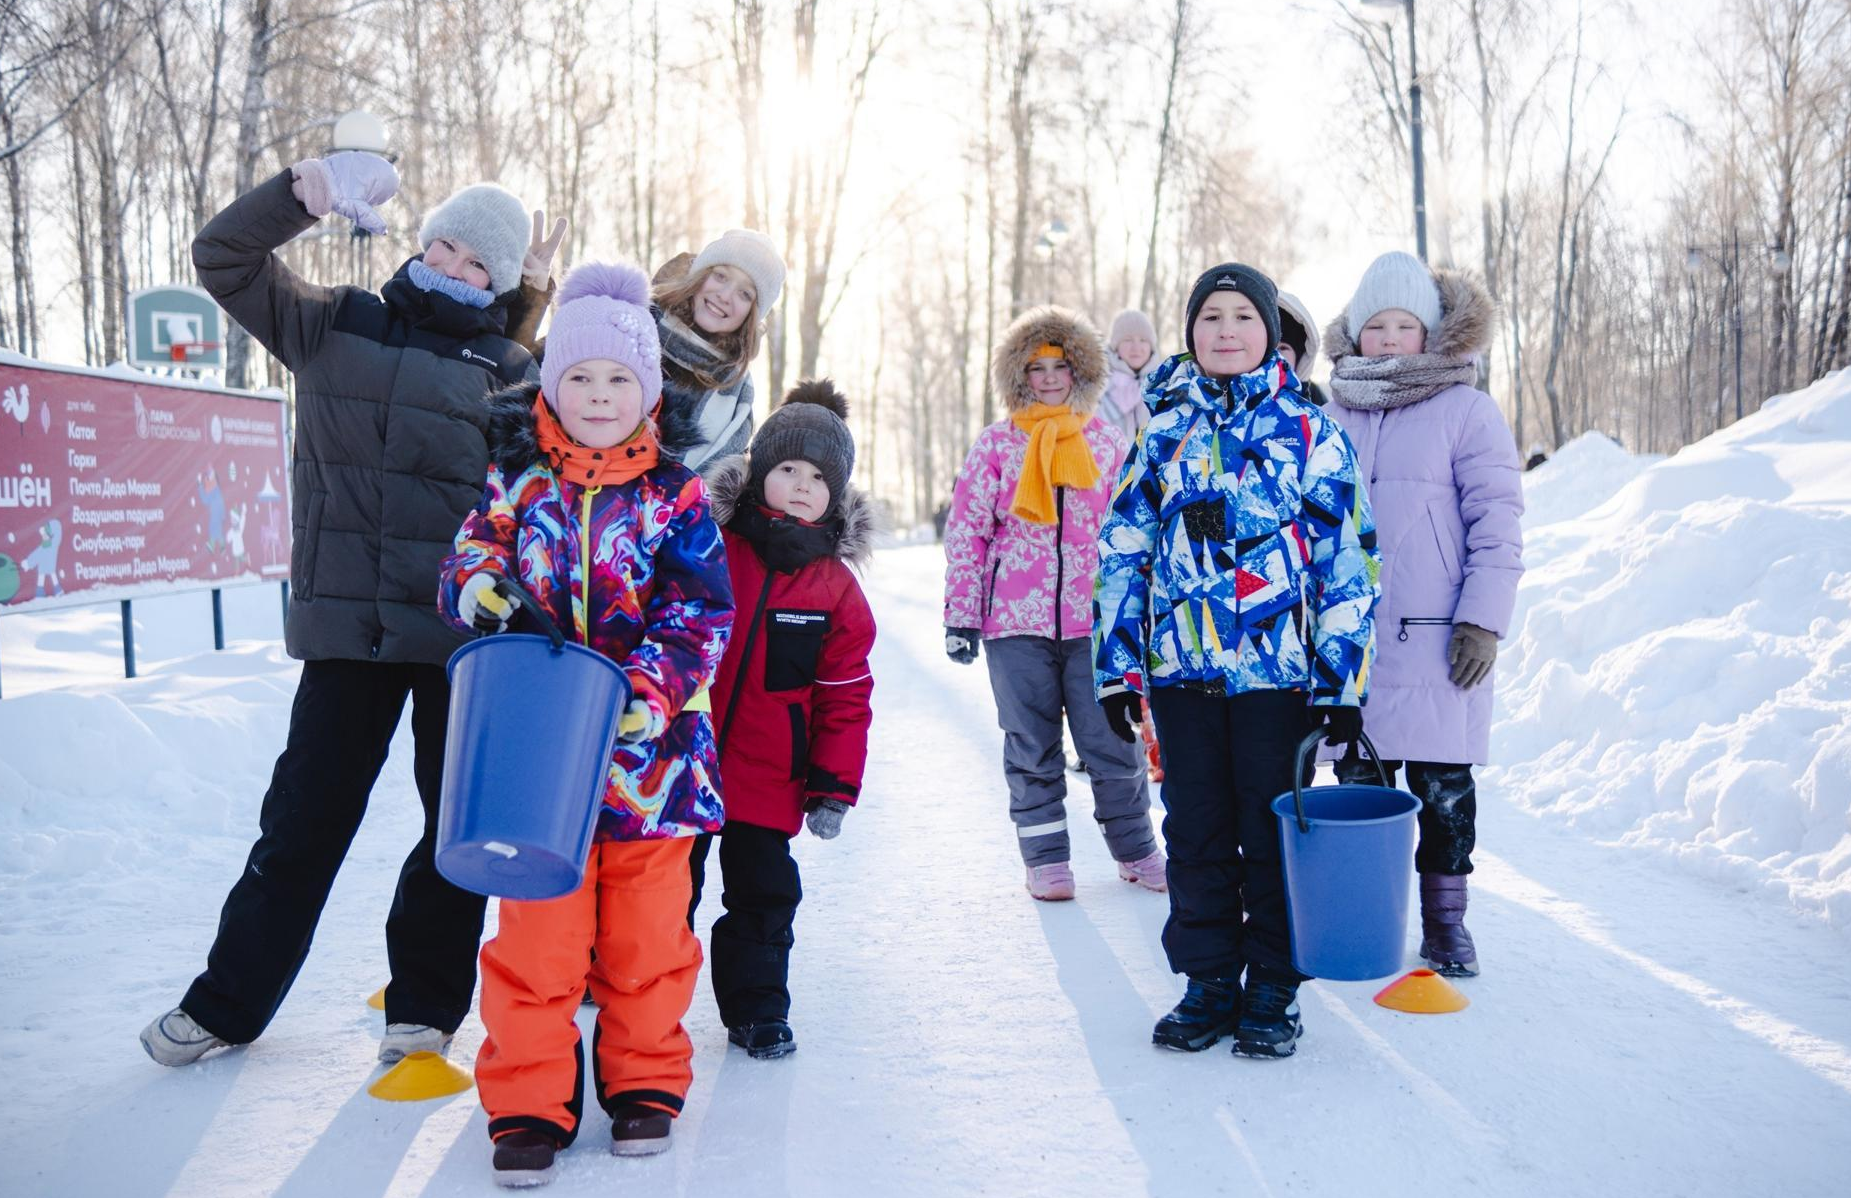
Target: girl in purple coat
1443	477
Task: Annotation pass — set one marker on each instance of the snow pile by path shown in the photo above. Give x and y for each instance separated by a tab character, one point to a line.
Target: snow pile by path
1581	476
1678	675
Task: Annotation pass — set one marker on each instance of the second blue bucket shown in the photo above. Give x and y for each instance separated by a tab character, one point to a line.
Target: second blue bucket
1349	873
533	720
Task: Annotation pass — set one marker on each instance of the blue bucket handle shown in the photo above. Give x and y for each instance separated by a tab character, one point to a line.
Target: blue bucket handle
532	607
1309	746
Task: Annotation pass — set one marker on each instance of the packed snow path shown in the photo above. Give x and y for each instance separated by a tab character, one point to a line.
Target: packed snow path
1639	1030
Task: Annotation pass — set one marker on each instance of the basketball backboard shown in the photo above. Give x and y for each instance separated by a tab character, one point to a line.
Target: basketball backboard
162	317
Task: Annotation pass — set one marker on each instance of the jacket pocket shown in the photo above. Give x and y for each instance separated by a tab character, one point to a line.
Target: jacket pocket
311	544
800	742
1422	621
793	643
1449	549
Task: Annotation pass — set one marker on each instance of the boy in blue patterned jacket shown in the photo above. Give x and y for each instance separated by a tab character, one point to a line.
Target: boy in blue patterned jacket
1237	587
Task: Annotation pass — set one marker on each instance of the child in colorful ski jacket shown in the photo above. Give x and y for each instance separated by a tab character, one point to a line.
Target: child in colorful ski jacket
1443	475
792	697
616	542
1021	550
1236	585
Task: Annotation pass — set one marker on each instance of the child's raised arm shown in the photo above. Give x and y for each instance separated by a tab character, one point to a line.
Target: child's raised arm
236	263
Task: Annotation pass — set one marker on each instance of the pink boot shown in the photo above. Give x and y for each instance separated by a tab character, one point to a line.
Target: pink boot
1152	872
1051	883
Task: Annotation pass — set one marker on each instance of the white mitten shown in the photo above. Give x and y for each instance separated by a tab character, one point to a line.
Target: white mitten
361	182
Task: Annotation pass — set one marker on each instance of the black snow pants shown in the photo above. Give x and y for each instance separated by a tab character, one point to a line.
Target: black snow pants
340	728
1448	809
752	939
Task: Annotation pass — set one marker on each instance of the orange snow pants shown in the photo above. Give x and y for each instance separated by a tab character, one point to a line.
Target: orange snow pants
633	910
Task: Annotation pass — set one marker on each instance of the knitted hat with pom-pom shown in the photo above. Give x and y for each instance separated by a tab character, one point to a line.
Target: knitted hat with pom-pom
604	313
811	425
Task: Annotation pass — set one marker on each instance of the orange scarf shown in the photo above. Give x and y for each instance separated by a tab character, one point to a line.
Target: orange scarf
1058	456
635	456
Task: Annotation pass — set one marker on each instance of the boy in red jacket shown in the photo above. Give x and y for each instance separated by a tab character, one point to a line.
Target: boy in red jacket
791	697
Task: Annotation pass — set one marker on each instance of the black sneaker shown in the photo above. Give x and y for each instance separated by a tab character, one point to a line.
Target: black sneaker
1208	1011
1269	1027
638	1130
765	1040
524	1158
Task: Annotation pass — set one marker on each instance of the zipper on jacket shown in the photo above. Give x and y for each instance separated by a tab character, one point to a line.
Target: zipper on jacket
584	565
1406	620
745	660
1060	556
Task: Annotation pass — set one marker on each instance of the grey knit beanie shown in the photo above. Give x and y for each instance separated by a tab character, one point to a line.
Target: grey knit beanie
752	252
811	425
494	223
1395	280
1131	323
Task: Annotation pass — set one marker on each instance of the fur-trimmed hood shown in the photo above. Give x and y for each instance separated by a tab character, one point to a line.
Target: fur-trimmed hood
1084	347
728	479
1466	315
514	445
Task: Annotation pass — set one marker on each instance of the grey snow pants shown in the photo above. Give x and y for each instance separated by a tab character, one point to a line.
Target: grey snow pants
1034	678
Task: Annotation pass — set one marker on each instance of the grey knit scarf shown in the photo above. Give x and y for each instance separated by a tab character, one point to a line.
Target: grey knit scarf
1377	384
716	423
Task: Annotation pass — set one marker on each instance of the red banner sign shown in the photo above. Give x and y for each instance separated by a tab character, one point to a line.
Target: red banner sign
115	484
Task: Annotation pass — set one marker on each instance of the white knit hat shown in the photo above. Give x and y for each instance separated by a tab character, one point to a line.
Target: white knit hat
1395	280
752	252
1131	323
493	222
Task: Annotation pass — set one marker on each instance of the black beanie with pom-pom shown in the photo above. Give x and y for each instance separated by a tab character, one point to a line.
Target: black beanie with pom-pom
811	425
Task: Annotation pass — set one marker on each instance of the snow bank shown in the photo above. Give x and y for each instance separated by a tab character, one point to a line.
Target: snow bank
1678	674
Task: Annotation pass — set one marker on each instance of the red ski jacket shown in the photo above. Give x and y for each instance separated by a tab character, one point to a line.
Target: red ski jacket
791	698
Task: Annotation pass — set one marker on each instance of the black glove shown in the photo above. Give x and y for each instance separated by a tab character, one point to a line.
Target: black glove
1342	725
1124	712
961	644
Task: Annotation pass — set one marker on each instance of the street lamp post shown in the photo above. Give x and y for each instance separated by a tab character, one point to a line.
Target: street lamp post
1386	11
1047	244
1729	260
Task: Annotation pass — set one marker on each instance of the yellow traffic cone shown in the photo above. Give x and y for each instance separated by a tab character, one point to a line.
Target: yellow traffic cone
1422	992
419	1076
378	1001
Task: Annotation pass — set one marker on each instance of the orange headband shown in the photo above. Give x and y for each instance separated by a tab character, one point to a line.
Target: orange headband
1050	351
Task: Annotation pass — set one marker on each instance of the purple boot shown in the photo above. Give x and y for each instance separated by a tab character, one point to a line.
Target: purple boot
1445	945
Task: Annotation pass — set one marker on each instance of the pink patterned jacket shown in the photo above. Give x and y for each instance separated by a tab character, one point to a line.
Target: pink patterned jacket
1001	572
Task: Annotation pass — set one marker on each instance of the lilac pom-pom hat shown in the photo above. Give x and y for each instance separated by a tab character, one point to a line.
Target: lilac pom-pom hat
603	312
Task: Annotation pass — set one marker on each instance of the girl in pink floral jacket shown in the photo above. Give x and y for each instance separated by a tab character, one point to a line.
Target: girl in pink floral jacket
1021	553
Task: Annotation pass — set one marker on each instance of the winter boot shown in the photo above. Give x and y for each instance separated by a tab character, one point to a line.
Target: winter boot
764	1040
524	1158
1051	883
174	1039
1208	1011
1150	872
403	1039
638	1130
1269	1023
1445	946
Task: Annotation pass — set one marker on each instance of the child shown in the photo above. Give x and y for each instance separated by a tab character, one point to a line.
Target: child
709	320
1237	574
791	699
1132	346
387	459
1442	470
1298	343
575	471
1021	550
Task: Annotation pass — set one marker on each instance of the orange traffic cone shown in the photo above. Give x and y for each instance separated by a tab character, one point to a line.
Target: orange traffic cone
1422	992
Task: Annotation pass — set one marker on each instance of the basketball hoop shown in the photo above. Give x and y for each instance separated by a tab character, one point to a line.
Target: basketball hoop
182	350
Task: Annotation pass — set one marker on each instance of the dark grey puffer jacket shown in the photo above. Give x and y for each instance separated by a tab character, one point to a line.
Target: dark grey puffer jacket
391	408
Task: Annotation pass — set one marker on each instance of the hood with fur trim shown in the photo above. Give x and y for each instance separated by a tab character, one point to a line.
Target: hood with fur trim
729	478
1084	347
1466	315
513	444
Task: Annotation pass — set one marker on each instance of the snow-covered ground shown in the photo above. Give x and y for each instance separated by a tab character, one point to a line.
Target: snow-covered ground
1676	687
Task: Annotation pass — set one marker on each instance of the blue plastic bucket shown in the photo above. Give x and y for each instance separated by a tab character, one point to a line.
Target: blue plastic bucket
1349	873
533	720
